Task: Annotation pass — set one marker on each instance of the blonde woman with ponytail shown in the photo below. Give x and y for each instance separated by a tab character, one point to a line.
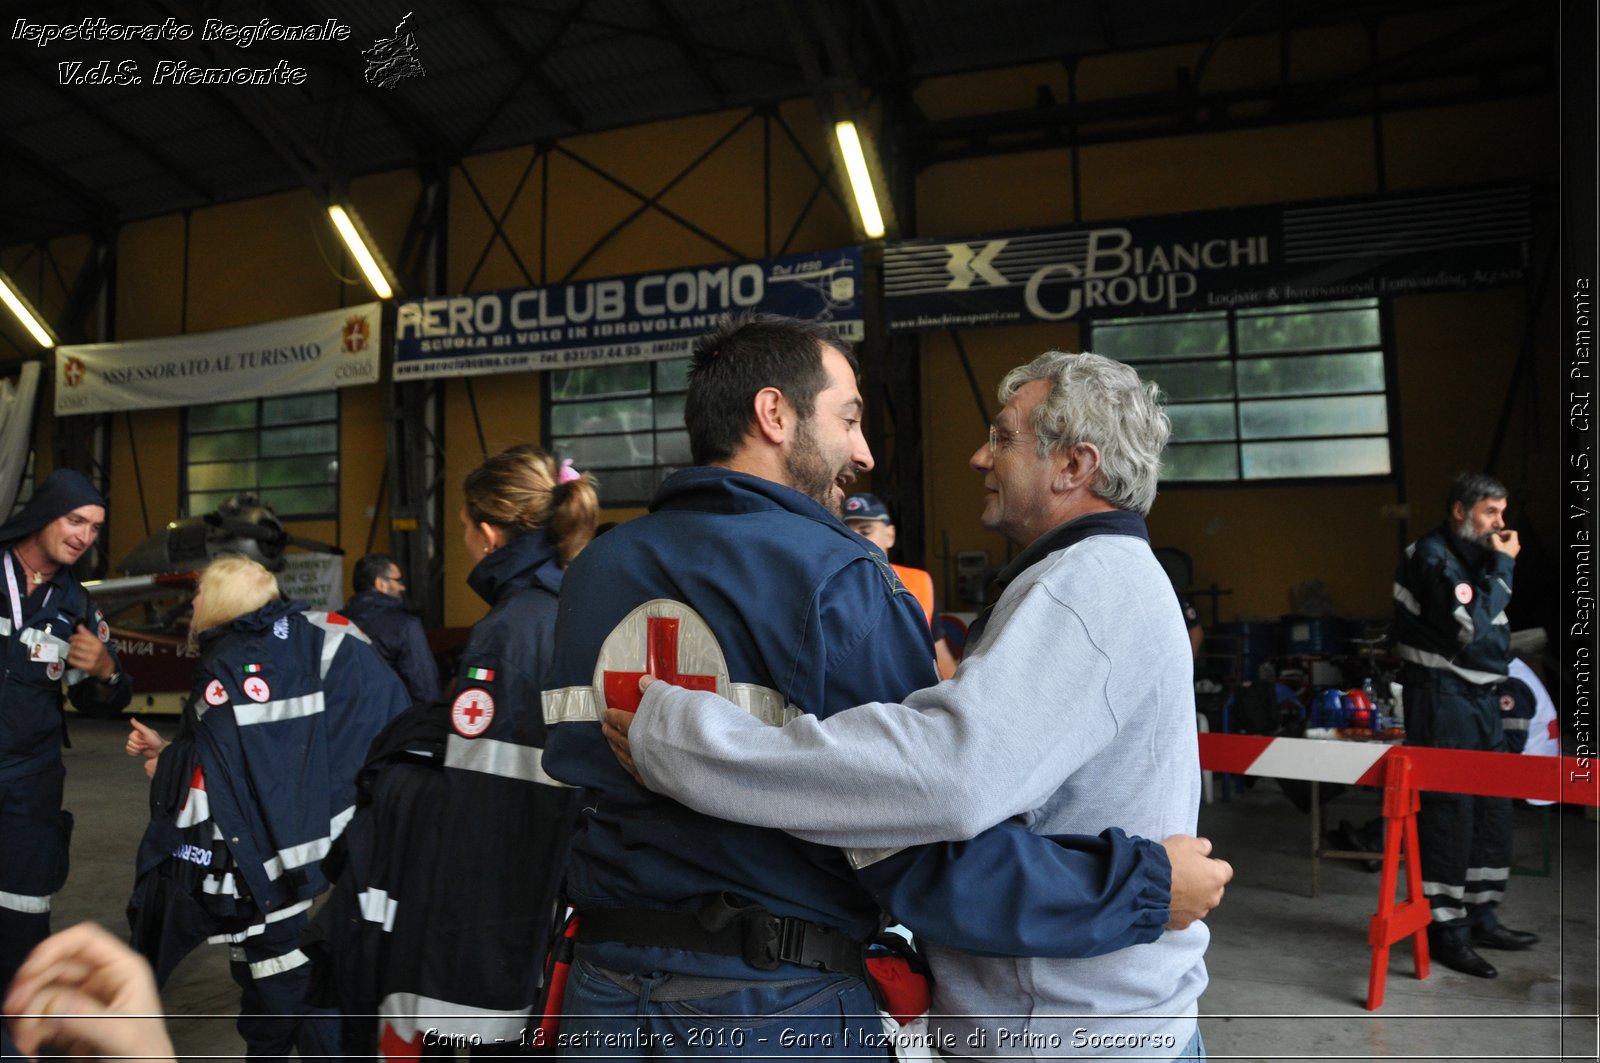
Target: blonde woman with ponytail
473	834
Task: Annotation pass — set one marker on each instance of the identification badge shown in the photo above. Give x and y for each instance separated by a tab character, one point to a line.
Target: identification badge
44	652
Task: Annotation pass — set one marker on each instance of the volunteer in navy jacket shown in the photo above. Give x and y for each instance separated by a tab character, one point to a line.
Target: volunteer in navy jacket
698	936
450	885
249	797
51	632
378	605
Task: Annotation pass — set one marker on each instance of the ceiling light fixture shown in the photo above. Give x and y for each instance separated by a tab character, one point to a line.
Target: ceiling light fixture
356	238
25	313
855	164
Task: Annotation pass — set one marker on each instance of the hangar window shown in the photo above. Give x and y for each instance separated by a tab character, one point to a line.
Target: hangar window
284	450
623	423
1264	393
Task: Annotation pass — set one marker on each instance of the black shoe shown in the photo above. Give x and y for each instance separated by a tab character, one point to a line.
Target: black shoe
1500	937
1462	958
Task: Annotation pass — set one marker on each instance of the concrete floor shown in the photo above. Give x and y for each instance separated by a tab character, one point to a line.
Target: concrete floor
1288	972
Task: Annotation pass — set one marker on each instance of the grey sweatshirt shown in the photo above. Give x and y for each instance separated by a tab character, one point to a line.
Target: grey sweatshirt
1072	712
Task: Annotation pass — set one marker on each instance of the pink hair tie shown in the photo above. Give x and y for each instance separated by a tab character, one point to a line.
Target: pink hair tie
568	473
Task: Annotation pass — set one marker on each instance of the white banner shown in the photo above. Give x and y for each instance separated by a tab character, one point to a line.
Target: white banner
16	422
314	578
313	353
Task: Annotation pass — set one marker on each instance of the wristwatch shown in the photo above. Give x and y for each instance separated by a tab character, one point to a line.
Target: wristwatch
113	679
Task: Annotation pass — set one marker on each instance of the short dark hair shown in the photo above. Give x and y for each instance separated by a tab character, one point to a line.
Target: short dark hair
1470	488
369	570
741	355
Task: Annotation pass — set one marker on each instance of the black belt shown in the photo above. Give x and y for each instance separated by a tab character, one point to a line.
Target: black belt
750	932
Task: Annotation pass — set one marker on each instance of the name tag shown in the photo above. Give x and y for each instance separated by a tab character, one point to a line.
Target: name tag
42	645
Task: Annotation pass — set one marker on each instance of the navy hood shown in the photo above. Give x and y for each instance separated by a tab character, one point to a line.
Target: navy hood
62	492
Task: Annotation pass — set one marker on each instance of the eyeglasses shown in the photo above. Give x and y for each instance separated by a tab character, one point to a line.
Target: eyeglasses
1002	439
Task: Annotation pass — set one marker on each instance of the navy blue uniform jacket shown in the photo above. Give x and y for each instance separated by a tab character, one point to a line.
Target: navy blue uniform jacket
812	615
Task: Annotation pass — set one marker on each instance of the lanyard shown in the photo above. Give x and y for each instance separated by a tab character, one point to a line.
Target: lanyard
16	599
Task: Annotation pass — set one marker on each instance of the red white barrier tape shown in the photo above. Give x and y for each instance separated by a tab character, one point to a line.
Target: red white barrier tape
1570	780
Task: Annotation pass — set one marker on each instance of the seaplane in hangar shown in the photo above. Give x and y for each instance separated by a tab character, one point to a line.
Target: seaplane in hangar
148	605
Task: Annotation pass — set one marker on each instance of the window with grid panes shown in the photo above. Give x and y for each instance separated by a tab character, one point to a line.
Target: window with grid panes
1264	393
284	450
622	423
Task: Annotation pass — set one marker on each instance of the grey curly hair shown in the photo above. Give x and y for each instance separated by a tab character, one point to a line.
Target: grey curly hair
1096	400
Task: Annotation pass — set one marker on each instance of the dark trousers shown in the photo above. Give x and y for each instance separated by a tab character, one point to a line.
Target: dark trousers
1465	840
35	837
274	1016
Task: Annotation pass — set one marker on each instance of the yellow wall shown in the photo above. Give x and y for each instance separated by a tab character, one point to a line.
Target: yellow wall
1454	352
276	257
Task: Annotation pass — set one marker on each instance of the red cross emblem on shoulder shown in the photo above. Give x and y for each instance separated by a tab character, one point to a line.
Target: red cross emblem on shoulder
663	638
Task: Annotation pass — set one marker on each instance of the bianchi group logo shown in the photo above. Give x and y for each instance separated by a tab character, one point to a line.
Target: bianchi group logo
357	330
74	371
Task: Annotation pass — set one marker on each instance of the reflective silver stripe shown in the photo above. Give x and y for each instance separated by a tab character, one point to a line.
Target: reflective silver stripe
330	647
1503	584
338	823
1513	723
378	907
247	713
1433	660
1464	621
304	853
1446	915
335	634
764	703
1500	618
226	886
195	810
1483	896
1488	874
569	705
22	902
506	759
1442	889
409	1014
860	858
257	929
1407	599
278	964
577	704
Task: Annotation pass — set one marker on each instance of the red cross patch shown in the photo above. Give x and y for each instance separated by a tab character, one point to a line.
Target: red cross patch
472	712
1507	702
1464	593
256	689
662	638
216	694
55	669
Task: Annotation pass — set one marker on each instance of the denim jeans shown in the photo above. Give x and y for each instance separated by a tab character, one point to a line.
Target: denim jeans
608	1015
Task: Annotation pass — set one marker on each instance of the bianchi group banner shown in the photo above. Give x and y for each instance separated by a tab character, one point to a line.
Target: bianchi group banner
1180	263
635	318
313	353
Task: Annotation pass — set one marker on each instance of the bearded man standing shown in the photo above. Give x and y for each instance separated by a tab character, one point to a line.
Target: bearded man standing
1450	597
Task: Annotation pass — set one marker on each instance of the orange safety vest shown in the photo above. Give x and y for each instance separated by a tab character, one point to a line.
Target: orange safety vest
920	584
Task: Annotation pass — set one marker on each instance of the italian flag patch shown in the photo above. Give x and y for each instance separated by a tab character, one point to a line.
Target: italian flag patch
251	668
484	674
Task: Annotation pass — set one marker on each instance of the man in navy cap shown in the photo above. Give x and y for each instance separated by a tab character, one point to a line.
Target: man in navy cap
50	631
867	516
